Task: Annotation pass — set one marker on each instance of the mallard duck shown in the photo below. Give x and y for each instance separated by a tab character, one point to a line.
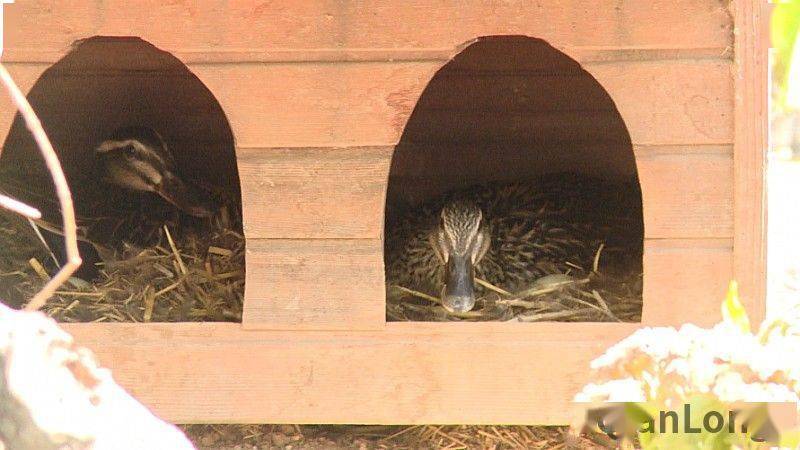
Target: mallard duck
138	159
509	234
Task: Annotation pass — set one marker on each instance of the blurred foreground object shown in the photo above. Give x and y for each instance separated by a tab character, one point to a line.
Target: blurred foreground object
784	25
717	369
62	192
54	395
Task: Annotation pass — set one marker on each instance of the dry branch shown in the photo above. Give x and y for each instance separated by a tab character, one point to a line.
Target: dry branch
62	191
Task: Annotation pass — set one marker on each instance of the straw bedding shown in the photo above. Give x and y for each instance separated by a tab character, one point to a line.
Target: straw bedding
163	272
391	437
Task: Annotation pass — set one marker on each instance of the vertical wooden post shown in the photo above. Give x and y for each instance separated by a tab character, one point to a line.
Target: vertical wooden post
751	121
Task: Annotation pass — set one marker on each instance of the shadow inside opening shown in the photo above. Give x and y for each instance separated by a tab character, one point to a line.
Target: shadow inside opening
523	132
145	257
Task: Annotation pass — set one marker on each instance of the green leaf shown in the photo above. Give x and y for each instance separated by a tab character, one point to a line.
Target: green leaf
784	25
733	311
790	439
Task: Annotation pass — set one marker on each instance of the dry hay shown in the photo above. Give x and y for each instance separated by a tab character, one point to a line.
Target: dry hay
390	437
594	295
181	274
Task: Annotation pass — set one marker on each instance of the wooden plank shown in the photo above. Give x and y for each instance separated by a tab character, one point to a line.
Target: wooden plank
314	284
297	376
685	281
315	105
339	284
752	116
686	195
409	373
314	192
368	103
323	24
671	102
582	54
339	192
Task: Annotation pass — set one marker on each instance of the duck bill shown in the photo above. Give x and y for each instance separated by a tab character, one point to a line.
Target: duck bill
459	290
173	190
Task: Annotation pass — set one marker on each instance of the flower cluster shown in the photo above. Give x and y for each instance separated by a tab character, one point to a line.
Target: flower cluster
668	366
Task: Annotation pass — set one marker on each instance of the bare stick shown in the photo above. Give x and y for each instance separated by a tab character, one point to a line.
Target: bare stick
62	191
20	208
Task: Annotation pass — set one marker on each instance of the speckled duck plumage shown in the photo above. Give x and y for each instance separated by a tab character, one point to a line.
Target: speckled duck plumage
552	225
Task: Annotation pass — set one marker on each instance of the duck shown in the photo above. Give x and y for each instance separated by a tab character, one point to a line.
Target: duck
509	234
131	159
138	159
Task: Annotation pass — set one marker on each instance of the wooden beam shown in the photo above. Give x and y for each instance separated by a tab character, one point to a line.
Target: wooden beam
338	284
686	195
751	118
309	25
685	280
325	284
369	103
409	373
314	192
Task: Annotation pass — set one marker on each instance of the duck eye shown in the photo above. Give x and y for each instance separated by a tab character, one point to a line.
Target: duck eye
129	150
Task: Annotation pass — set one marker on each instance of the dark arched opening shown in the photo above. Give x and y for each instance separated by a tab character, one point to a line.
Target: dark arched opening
106	84
515	109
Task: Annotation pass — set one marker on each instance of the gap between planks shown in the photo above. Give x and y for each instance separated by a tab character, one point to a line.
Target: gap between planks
356	55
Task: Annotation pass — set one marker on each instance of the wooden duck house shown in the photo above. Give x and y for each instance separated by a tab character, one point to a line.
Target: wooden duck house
313	111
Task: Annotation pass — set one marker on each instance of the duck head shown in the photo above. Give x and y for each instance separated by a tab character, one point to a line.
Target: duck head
460	241
137	159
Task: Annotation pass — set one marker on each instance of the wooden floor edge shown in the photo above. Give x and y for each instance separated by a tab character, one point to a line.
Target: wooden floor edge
408	374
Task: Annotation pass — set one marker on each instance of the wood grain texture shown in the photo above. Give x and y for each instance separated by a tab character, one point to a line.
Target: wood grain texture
685	281
339	284
322	24
368	103
299	105
314	284
409	373
686	195
339	192
314	192
752	116
416	373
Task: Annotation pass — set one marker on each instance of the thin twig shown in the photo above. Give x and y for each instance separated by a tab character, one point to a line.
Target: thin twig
550	315
525	304
596	263
20	208
536	290
62	192
419	294
79	294
401	432
175	251
603	303
38	233
492	287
